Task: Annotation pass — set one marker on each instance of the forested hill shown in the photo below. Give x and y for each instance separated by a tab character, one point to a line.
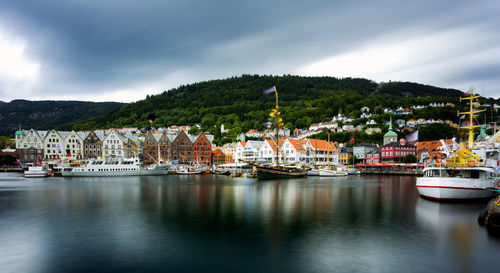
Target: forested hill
239	102
49	114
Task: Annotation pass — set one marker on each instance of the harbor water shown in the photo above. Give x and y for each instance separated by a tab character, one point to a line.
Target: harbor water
220	224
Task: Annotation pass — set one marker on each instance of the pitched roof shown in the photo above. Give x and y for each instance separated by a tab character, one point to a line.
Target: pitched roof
42	133
273	144
64	134
254	143
157	136
319	144
82	135
430	146
298	144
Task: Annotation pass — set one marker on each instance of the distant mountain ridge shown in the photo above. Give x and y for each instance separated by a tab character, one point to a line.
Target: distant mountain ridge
49	114
236	102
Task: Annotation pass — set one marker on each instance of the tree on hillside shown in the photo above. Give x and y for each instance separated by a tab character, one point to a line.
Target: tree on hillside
410	158
436	131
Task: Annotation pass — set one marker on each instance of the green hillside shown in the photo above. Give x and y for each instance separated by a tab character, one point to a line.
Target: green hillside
239	102
49	114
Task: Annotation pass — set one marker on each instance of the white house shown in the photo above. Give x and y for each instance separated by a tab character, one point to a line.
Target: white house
247	151
53	144
348	127
294	151
322	152
114	145
411	123
73	144
400	122
323	125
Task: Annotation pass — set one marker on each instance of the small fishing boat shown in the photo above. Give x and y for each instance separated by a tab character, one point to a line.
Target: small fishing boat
335	169
191	170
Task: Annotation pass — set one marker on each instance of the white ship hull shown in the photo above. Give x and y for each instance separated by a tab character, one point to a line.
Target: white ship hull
449	188
330	172
125	167
140	172
313	172
34	172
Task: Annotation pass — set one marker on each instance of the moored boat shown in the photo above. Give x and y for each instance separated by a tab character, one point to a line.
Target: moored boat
191	170
263	171
277	170
334	169
463	174
121	167
313	172
37	171
444	183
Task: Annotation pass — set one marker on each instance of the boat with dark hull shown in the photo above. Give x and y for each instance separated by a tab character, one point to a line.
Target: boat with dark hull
277	170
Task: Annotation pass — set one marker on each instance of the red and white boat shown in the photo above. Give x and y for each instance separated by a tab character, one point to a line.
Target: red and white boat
463	174
443	183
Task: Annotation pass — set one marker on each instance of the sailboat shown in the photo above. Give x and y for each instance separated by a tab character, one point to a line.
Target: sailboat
332	169
464	174
277	170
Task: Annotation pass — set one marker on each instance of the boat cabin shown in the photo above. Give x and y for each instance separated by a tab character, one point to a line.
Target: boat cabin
474	173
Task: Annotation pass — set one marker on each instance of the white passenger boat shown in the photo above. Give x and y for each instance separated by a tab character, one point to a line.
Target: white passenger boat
463	174
123	167
333	170
446	183
37	171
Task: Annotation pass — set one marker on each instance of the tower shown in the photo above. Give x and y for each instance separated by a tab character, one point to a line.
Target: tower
390	136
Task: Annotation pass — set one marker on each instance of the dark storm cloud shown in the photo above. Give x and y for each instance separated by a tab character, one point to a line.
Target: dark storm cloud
97	46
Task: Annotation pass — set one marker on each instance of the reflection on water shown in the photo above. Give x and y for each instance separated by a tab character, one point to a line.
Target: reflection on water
207	223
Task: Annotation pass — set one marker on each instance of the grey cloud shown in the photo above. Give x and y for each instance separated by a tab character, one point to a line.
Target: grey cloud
104	45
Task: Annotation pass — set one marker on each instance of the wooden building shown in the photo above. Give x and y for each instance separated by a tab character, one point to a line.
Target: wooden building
202	150
182	148
92	146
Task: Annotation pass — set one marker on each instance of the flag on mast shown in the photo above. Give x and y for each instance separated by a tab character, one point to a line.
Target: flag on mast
269	91
352	140
412	138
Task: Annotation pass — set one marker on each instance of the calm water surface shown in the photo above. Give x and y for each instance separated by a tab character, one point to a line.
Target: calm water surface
218	224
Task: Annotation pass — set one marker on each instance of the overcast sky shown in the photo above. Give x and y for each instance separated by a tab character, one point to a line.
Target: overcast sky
122	50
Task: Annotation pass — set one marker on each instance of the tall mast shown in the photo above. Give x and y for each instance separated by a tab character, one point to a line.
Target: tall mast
275	113
277	129
158	153
472	114
328	153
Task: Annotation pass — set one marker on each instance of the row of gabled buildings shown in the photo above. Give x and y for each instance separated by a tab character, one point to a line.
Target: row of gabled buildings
35	145
182	148
291	151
